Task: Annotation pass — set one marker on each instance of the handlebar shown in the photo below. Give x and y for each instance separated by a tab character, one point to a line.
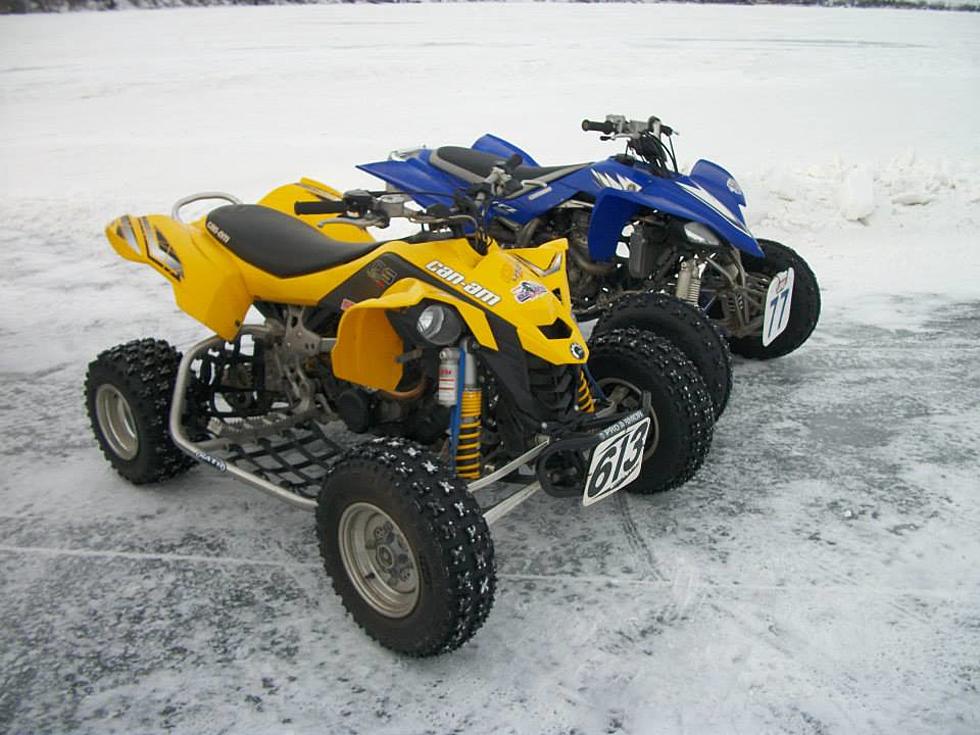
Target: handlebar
650	140
598	127
620	127
324	206
468	212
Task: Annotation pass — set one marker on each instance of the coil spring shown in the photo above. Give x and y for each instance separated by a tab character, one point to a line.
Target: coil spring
468	449
689	283
586	403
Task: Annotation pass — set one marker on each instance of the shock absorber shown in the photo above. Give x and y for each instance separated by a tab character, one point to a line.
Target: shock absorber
468	462
586	403
448	376
689	282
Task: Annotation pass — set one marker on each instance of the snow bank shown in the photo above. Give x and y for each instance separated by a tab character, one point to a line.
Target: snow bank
883	194
856	194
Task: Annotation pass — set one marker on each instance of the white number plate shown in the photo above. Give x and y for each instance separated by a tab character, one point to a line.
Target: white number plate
778	304
618	458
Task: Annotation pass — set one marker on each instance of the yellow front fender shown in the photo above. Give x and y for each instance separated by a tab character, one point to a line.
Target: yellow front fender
367	345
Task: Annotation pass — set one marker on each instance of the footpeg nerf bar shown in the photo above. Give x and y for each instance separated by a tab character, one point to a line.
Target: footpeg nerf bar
229	454
289	455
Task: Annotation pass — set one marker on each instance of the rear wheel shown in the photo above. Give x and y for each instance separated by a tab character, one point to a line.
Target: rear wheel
407	548
128	390
625	363
805	310
687	328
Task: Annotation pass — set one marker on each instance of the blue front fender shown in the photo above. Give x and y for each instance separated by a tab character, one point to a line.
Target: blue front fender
615	208
720	183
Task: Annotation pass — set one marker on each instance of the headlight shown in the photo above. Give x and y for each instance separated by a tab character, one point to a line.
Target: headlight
439	325
700	234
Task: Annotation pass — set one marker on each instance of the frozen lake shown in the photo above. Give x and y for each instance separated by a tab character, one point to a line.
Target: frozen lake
819	575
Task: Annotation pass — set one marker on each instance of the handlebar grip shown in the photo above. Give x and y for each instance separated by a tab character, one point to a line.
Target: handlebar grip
511	164
324	206
599	127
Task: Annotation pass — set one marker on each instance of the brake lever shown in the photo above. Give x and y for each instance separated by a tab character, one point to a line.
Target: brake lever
361	222
534	184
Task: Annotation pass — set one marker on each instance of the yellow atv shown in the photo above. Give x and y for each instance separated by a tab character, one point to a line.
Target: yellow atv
461	359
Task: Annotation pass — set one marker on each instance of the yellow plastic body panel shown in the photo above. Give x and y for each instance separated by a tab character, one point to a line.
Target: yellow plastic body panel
208	285
367	348
527	288
309	190
367	345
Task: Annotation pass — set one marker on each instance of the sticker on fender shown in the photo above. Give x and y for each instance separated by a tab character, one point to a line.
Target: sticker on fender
618	458
778	304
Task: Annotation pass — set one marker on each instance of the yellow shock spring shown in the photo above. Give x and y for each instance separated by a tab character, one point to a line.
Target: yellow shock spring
586	403
468	450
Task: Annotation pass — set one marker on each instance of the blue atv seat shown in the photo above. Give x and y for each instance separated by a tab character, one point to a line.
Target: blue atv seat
474	166
279	244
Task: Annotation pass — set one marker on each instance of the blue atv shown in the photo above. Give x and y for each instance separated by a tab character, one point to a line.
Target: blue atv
647	243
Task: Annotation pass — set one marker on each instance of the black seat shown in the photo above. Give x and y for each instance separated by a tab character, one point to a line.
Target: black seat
474	166
278	243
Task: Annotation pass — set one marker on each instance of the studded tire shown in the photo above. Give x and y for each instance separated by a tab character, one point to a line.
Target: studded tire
141	374
687	327
804	313
683	409
439	521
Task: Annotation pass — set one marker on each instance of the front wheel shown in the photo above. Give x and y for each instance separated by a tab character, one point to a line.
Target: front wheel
625	363
407	548
805	310
687	327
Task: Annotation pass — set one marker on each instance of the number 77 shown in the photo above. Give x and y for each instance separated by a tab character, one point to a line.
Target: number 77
774	303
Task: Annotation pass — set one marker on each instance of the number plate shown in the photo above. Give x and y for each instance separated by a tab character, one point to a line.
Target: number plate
778	304
618	458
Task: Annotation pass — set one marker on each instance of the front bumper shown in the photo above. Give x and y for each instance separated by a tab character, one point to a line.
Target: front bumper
567	466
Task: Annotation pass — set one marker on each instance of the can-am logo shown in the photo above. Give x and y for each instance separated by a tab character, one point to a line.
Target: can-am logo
615	181
456	278
223	236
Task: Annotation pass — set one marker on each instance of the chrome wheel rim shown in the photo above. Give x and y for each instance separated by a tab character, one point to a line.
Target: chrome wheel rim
378	560
627	397
116	421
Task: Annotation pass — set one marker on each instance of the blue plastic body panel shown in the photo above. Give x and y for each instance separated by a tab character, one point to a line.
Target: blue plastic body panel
499	147
720	183
709	195
426	184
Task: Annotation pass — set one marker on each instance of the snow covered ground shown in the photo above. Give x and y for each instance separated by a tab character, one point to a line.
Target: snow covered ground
818	576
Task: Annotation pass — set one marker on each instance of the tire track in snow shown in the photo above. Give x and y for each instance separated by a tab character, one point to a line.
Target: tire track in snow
635	539
686	586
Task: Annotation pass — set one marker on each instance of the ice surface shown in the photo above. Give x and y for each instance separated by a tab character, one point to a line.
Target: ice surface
818	576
